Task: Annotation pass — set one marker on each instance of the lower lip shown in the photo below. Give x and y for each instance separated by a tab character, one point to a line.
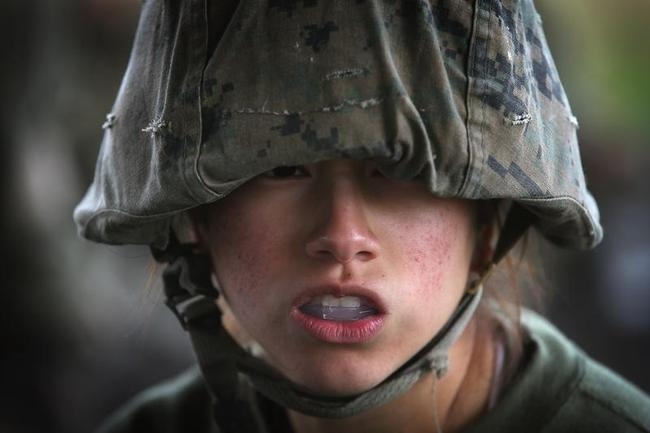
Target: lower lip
331	331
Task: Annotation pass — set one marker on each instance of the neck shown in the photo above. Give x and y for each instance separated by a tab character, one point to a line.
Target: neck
452	402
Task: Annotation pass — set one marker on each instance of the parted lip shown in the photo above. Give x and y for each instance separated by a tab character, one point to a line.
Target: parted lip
339	290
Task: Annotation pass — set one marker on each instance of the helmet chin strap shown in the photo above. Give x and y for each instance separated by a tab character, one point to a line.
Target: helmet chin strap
432	357
192	298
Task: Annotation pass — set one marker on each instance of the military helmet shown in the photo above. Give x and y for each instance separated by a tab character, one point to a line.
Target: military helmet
462	94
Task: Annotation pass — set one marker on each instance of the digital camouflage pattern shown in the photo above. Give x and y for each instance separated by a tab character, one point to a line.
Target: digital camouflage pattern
462	93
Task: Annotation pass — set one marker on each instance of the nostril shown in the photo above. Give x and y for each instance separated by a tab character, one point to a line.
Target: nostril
340	250
323	254
324	249
365	255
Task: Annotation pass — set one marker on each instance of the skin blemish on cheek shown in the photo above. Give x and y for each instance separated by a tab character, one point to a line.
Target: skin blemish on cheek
430	259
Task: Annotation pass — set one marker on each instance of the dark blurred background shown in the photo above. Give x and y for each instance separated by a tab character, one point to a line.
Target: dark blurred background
83	327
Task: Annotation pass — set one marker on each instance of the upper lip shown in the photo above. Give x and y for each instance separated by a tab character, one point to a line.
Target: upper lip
340	290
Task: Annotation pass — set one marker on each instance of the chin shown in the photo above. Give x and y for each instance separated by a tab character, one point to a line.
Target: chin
339	388
340	378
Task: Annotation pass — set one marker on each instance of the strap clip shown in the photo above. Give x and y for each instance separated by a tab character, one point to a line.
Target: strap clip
188	291
192	307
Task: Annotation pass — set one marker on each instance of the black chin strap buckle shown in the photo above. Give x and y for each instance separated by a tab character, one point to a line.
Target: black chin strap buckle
188	290
192	308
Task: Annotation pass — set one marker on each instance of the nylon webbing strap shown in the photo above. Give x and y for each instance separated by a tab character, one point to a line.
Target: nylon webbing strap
437	348
193	301
232	412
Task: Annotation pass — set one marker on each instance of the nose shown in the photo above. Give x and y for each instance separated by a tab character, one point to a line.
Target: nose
341	231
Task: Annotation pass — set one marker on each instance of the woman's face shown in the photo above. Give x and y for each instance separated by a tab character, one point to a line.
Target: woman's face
338	272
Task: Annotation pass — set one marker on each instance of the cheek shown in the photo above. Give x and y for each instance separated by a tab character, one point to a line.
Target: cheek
437	254
426	257
427	262
241	249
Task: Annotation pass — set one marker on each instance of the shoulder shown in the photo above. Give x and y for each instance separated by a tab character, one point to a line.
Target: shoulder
177	405
560	389
591	397
603	401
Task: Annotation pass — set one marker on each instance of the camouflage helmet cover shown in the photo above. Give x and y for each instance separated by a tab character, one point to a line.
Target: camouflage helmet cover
462	93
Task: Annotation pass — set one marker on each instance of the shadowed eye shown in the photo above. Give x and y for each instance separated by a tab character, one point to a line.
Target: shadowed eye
286	172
